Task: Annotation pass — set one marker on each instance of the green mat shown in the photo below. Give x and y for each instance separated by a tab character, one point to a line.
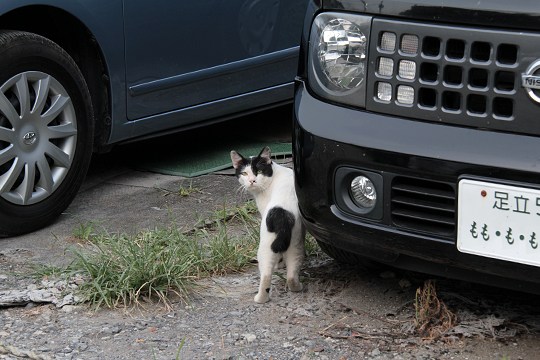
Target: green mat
199	161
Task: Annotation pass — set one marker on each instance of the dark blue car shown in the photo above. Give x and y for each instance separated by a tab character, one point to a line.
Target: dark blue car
79	76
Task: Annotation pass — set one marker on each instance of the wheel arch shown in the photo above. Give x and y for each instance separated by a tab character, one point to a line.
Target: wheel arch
78	41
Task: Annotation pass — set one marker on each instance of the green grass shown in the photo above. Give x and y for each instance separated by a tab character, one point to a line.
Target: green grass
122	269
187	191
312	248
84	231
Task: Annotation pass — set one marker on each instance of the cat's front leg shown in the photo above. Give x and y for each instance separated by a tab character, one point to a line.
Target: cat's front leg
264	289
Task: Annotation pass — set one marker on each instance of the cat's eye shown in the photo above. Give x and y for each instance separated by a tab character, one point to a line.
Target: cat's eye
243	173
259	172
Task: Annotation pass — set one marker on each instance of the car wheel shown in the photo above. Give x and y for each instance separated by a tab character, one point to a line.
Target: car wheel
46	131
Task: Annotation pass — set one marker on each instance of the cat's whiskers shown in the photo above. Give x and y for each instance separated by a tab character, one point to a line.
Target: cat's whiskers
241	191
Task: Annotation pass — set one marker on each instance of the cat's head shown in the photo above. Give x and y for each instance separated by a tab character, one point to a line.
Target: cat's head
253	173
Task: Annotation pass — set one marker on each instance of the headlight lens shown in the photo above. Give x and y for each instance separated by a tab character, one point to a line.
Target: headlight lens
342	51
338	57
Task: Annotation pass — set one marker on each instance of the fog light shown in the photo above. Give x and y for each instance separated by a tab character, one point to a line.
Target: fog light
363	192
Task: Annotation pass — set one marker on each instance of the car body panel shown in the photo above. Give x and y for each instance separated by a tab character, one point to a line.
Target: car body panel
166	61
181	54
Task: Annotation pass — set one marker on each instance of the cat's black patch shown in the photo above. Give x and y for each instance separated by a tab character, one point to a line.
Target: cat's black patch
262	163
281	222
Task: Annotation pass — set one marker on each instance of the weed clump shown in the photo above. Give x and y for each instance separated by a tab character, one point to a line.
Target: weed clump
433	318
122	269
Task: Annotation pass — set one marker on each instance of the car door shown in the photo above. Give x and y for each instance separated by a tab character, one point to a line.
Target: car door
185	53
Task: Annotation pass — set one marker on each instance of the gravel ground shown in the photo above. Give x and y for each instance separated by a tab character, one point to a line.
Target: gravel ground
343	313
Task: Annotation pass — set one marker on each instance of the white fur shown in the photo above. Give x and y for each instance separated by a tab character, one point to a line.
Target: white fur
269	192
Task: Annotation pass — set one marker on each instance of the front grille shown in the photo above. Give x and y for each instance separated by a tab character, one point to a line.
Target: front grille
423	205
456	75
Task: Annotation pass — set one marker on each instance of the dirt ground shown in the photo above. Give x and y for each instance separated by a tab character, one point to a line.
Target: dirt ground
343	313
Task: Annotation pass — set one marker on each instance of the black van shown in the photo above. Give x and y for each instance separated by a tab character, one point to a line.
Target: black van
417	136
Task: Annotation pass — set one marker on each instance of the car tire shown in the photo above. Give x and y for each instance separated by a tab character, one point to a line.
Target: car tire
46	131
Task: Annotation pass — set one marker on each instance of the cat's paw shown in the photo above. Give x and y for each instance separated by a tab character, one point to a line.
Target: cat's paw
295	285
261	298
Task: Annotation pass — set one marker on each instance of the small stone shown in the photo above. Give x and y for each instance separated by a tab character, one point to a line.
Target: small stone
31	287
375	352
115	330
69	308
249	337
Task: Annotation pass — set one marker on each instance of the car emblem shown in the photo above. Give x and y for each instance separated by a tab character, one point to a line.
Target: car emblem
531	81
29	138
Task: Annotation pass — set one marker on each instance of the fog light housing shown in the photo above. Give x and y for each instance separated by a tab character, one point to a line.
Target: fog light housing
358	193
363	192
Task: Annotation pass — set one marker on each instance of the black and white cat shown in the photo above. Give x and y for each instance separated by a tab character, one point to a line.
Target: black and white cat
282	232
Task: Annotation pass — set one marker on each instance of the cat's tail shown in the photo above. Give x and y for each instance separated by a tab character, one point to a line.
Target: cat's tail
281	222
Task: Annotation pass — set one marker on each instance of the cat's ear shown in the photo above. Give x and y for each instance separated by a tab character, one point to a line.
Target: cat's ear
266	155
236	159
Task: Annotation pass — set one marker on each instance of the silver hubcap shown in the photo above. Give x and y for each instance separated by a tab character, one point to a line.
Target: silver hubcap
38	135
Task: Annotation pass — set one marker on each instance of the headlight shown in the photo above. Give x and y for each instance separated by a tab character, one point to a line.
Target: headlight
338	57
